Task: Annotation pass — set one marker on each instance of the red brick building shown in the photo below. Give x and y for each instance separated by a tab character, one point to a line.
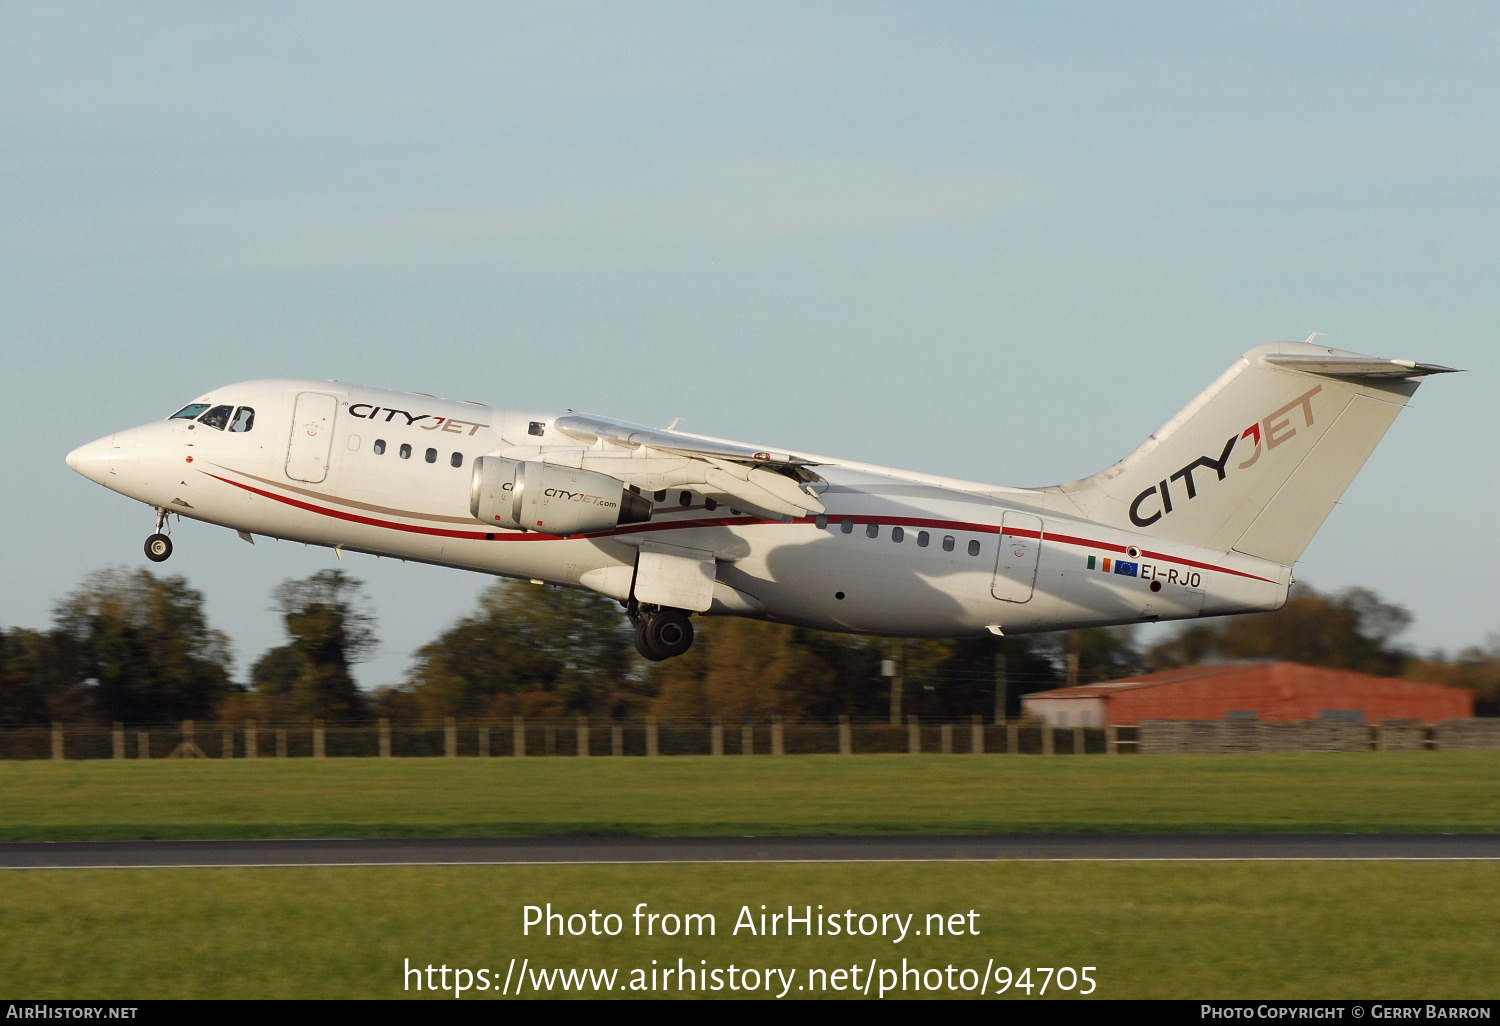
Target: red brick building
1272	692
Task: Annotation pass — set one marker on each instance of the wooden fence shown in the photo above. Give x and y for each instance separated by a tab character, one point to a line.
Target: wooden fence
529	738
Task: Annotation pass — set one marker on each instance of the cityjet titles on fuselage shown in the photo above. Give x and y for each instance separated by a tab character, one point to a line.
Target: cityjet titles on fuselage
368	411
1267	433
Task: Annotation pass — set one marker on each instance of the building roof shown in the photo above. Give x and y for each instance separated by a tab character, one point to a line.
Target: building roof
1275	674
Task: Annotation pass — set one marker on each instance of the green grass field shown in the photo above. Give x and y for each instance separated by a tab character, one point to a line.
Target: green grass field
1169	930
1249	930
1392	792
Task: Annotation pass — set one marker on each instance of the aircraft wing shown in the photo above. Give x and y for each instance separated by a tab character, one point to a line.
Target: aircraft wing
588	429
770	484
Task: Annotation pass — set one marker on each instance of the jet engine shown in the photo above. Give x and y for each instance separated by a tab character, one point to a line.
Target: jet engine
528	495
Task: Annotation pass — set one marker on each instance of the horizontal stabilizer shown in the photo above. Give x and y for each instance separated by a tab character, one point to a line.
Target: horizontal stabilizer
1356	366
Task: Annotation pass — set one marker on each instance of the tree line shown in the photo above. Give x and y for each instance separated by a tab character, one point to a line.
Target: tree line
133	647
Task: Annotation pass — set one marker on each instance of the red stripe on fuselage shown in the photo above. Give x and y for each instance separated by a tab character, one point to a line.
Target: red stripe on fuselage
353	518
1163	556
741	521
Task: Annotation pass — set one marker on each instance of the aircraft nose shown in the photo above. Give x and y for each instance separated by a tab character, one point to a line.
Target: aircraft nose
93	460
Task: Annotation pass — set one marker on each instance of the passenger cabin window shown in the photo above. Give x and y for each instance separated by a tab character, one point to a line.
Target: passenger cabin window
846	525
947	543
379	447
897	534
456	460
922	539
974	548
822	521
431	455
405	451
244	419
710	504
872	530
189	412
218	417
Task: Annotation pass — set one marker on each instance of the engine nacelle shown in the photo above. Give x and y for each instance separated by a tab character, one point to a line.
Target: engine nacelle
526	495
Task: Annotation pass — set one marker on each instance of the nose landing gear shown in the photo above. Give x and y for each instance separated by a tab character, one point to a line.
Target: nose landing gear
159	546
661	633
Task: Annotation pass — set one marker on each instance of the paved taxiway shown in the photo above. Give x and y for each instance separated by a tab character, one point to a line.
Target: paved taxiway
531	850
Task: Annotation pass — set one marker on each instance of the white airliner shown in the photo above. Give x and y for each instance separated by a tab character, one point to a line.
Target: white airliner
1205	518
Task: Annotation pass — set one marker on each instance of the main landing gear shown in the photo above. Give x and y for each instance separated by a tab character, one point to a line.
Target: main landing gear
159	546
660	633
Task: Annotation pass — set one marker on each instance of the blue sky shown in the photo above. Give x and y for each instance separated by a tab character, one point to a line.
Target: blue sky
1000	241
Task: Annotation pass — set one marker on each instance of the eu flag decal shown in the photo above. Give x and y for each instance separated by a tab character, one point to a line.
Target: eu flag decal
1127	569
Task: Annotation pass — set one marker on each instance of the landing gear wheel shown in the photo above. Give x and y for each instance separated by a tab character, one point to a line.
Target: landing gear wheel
158	548
667	634
644	646
672	632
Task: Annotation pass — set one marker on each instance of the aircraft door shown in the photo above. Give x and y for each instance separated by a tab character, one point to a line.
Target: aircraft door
1015	566
312	437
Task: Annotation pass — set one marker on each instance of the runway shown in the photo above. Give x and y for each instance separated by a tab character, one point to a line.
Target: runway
608	850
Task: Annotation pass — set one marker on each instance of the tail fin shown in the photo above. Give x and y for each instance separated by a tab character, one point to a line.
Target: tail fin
1257	461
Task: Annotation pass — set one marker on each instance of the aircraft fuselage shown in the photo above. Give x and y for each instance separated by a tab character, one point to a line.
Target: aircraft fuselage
895	553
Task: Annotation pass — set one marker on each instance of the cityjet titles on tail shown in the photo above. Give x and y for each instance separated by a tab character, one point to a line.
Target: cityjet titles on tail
1205	518
1277	429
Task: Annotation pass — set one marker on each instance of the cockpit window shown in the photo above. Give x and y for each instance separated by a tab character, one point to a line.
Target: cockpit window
189	412
244	419
217	417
